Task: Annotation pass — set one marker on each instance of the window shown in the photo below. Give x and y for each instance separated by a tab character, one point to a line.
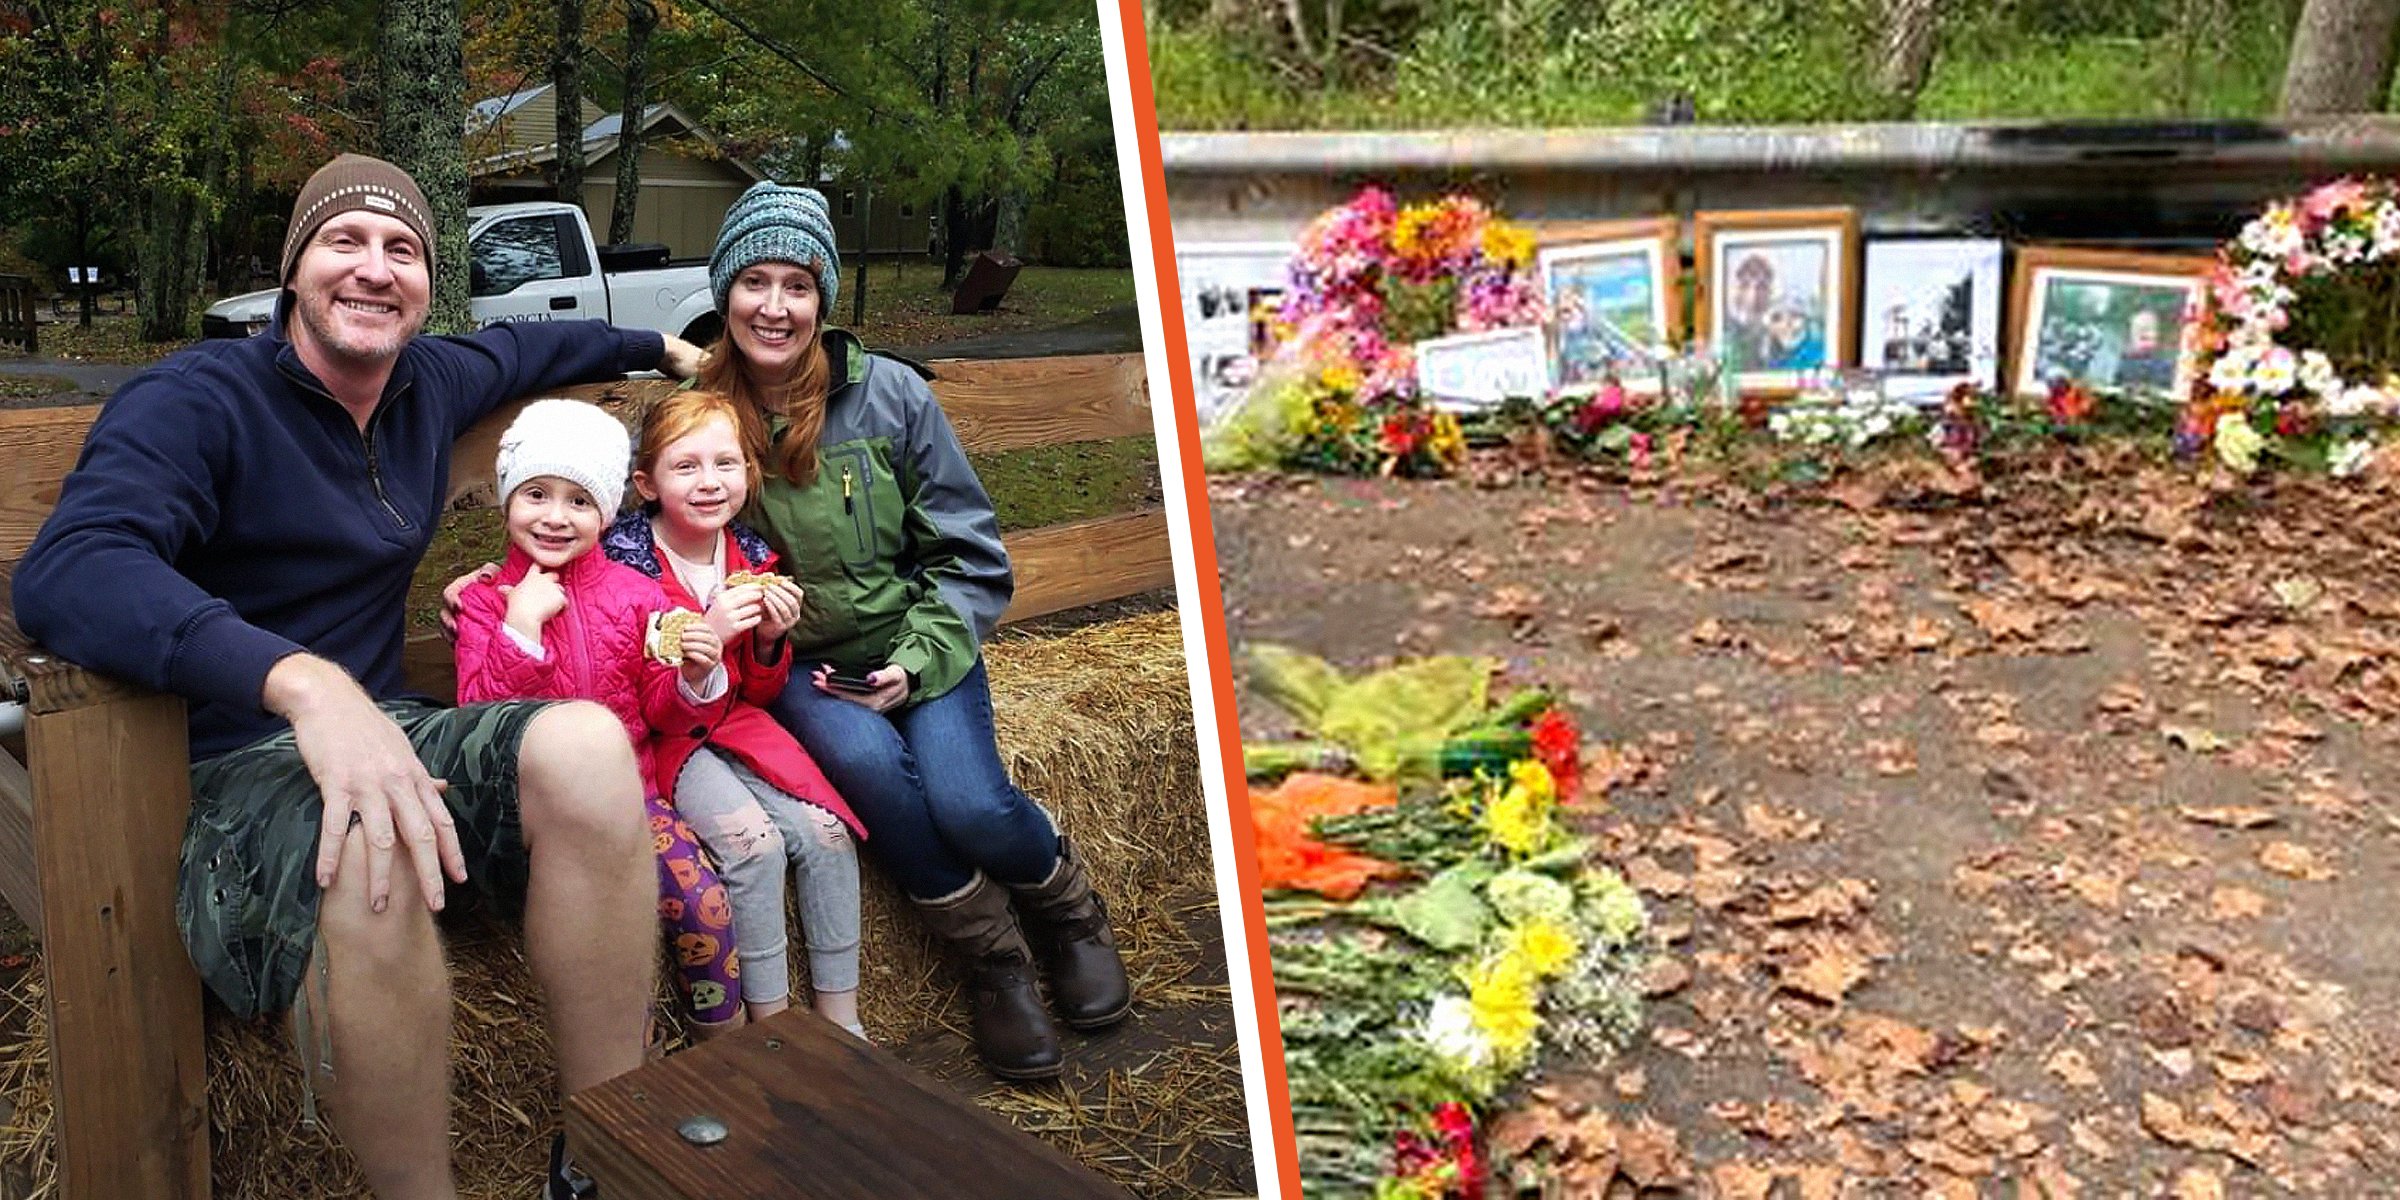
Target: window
849	204
514	253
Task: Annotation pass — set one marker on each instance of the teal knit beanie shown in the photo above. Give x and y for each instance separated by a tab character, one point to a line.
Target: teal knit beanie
773	223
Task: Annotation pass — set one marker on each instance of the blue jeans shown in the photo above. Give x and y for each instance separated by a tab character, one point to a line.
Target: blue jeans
927	782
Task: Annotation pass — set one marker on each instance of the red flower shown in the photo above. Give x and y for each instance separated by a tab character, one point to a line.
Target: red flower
2291	420
1559	747
2071	403
1400	436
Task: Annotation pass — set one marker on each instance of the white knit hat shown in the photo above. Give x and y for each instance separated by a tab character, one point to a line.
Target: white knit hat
575	441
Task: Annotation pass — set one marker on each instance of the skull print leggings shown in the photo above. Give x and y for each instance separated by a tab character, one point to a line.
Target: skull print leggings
699	918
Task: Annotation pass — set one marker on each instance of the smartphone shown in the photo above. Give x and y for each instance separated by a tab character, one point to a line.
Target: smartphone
848	683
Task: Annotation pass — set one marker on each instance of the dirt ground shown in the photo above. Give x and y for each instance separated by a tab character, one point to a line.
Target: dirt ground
2025	840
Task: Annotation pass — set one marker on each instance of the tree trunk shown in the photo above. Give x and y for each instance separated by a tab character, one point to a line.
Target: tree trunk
640	21
566	87
423	132
2341	58
957	228
1008	225
1906	55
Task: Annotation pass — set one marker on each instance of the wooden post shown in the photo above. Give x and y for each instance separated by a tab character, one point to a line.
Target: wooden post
128	1060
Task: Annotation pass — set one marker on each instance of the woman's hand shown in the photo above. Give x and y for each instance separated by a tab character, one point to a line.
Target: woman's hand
454	597
889	692
781	601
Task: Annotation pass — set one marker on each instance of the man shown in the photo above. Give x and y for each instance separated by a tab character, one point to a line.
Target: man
241	530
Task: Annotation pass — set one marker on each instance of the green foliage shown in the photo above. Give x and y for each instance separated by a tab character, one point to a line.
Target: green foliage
1553	62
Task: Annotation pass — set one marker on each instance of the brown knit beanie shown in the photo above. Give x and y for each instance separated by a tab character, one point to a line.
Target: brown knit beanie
351	183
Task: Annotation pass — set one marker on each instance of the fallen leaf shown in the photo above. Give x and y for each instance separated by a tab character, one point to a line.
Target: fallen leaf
2072	1068
1650	1155
1665	977
2198	1183
1741	1181
1827	975
2293	860
2001	620
2233	903
2193	738
2229	817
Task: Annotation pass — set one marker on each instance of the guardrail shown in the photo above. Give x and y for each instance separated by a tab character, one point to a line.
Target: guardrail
2160	184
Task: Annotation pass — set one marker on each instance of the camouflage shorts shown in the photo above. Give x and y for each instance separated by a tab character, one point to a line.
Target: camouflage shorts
246	899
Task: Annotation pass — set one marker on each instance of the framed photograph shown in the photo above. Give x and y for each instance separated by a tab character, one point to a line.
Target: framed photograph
2112	320
1469	372
1931	317
1230	292
1613	302
1778	292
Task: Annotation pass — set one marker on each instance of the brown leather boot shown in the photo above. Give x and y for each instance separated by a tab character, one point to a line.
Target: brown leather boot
1068	924
1012	1030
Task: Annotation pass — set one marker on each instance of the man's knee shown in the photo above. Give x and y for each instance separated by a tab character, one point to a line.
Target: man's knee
577	777
399	943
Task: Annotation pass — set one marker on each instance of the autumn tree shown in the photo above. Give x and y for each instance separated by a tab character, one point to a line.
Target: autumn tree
566	82
421	87
641	21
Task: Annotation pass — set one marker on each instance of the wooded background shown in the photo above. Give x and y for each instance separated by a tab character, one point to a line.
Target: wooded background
163	140
1332	64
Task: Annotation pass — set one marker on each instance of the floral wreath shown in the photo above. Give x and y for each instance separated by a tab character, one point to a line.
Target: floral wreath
1371	278
2297	328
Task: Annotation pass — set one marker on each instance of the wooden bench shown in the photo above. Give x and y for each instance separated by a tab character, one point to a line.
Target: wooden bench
125	1006
17	323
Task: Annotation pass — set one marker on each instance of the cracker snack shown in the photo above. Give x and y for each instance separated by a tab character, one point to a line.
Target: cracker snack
666	635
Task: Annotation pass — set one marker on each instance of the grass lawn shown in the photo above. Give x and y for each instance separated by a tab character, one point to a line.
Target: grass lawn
1030	488
906	305
32	387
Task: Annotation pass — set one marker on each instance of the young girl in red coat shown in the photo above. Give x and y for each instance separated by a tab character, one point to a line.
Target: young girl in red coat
756	798
560	622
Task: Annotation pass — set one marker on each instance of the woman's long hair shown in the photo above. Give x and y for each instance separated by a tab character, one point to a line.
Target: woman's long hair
801	401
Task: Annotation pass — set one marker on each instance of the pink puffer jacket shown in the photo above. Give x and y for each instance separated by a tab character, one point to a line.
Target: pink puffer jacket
594	650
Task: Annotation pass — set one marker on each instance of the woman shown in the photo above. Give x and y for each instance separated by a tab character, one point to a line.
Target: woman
877	514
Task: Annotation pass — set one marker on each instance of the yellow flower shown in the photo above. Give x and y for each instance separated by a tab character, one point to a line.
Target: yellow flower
1508	242
1502	991
1519	818
1342	377
1410	227
1544	946
2237	443
1448	445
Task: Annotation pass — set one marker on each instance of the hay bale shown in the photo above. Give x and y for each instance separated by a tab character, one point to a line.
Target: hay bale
1096	724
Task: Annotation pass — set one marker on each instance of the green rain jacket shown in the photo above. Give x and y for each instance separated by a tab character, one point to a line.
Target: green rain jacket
894	543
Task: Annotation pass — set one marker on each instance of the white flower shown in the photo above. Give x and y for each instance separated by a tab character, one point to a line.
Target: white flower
2387	228
2231	371
2352	401
2275	373
2351	457
1451	1033
2317	374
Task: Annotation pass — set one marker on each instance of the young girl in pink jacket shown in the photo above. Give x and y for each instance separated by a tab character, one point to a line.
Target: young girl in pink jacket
561	622
758	800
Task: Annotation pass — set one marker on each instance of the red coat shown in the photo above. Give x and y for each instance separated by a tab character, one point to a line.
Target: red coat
593	650
745	729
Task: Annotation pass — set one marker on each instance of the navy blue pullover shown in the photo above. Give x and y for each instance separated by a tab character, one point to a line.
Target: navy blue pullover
227	512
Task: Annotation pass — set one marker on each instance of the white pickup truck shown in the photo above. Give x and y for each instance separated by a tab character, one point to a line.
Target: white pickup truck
535	261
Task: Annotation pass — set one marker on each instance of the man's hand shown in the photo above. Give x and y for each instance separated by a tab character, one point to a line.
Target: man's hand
681	359
891	688
454	597
369	777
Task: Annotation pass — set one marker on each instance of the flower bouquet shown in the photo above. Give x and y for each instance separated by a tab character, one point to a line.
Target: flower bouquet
2301	333
1431	938
1370	280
